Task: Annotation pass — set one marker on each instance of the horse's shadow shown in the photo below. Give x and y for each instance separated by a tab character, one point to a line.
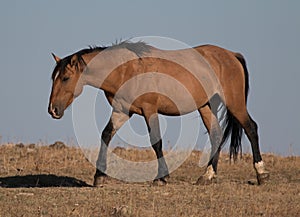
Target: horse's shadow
41	181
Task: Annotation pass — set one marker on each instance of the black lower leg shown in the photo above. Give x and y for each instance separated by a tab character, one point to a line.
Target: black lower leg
162	166
102	157
214	161
251	131
156	142
216	139
101	161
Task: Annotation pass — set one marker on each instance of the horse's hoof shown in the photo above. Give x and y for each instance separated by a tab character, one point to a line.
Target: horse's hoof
159	182
203	181
99	181
208	177
263	178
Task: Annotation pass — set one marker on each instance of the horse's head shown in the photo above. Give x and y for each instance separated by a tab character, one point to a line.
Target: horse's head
66	84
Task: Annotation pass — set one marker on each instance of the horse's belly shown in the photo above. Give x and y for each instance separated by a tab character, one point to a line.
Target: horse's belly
179	105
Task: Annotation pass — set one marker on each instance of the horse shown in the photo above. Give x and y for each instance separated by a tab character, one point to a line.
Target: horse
141	79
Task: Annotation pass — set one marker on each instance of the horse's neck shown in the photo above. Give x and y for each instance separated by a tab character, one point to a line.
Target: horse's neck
101	64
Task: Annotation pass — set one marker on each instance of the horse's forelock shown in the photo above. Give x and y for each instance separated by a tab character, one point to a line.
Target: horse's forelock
60	67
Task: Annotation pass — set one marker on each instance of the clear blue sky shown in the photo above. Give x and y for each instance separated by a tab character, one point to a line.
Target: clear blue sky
266	32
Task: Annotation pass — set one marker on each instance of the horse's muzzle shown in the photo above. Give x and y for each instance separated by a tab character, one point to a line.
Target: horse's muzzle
55	111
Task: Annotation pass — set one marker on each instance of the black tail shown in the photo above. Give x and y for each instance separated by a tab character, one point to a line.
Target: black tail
231	124
246	73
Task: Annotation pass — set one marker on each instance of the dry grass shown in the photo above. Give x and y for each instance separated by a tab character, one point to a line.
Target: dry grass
53	181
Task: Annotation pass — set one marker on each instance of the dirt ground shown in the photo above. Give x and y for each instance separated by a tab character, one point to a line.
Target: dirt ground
56	181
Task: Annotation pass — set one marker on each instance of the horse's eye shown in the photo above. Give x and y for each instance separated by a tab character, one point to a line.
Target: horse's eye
65	79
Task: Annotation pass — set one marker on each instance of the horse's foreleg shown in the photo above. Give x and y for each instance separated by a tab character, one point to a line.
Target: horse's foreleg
152	121
106	136
215	134
116	121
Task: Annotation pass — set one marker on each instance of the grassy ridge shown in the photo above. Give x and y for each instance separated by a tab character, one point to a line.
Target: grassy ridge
54	181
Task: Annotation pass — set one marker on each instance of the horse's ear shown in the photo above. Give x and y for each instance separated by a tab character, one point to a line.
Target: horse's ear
74	60
56	58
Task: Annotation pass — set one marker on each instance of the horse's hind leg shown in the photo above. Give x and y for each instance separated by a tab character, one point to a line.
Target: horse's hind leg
215	134
251	128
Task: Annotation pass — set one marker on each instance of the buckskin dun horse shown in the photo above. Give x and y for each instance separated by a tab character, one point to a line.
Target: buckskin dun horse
221	74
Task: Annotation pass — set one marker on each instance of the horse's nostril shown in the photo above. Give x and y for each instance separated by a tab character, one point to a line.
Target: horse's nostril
55	111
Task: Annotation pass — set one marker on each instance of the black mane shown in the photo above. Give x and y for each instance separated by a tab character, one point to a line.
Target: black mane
139	48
